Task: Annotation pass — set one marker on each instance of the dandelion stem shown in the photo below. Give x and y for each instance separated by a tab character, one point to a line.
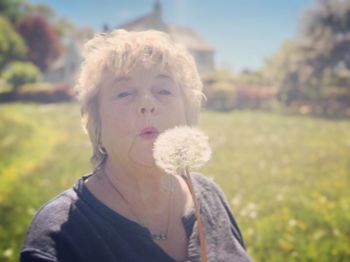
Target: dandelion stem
203	247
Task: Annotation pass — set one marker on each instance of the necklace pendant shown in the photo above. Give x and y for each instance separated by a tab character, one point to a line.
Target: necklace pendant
160	236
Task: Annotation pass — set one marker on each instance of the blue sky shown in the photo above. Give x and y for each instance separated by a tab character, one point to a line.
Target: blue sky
243	32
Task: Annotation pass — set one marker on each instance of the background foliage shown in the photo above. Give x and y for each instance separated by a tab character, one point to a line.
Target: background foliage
307	68
42	40
12	46
20	73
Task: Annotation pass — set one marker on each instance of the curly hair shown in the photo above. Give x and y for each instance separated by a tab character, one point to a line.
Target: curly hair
118	53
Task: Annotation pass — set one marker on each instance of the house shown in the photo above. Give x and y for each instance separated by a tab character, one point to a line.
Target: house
65	68
202	51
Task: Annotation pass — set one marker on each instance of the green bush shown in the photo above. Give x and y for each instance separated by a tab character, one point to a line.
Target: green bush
221	96
20	73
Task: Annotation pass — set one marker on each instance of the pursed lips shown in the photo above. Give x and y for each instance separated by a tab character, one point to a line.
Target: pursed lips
149	133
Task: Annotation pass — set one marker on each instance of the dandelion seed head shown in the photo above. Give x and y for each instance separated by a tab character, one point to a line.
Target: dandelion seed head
181	147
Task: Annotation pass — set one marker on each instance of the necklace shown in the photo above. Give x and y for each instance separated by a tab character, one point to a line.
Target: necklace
155	236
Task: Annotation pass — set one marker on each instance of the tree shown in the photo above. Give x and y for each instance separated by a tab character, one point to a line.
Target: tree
63	26
10	9
287	70
314	67
39	9
326	35
42	40
12	46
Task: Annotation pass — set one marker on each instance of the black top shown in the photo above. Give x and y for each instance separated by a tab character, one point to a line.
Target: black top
76	226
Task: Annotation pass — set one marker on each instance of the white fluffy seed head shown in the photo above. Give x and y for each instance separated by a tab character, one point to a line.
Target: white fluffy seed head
181	147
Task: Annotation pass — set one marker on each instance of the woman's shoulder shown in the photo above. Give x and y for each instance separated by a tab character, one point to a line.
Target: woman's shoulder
206	183
216	202
54	212
47	222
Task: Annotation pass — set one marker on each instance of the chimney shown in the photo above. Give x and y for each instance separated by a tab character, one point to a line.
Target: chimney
157	10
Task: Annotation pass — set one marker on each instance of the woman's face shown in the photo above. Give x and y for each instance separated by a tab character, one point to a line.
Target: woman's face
145	98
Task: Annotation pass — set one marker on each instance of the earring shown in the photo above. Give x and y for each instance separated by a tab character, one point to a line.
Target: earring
102	150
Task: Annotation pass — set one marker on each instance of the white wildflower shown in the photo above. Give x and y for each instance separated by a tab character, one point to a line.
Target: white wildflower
251	206
250	231
236	201
253	214
280	197
181	148
318	234
8	252
292	222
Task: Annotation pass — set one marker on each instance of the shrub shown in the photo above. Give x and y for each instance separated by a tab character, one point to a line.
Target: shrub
20	73
221	97
45	92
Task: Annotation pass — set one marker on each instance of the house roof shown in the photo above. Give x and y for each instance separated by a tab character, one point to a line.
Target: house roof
185	35
189	38
144	23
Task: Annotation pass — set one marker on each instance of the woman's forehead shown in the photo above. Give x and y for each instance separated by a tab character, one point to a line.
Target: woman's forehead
159	76
156	73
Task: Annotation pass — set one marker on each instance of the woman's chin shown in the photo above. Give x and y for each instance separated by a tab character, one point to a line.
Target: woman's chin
142	157
149	162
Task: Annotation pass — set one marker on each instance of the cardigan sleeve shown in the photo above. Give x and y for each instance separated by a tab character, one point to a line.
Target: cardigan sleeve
35	256
215	188
235	229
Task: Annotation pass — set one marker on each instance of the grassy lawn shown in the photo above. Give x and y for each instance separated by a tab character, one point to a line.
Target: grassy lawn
286	177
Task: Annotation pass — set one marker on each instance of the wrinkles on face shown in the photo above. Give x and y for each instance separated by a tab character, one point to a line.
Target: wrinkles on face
143	98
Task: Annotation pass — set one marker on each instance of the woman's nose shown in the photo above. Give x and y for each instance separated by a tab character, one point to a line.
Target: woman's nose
145	110
147	105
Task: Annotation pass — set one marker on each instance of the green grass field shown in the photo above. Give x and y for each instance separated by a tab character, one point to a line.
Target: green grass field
287	178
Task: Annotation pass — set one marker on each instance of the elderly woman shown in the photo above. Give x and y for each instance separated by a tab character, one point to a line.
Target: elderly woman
132	87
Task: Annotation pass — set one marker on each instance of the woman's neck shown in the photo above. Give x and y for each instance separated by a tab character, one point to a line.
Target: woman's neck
148	183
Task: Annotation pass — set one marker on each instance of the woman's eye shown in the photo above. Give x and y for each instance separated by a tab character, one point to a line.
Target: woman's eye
164	92
123	94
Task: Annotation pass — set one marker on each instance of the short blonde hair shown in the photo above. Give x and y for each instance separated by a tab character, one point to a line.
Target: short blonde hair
117	53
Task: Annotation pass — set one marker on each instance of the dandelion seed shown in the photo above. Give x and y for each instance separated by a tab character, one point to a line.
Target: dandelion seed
181	147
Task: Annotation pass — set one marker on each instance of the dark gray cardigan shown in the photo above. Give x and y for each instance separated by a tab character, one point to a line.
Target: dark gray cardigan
76	226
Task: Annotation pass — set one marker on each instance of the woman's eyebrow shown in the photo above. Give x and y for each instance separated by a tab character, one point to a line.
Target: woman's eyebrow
163	76
121	79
